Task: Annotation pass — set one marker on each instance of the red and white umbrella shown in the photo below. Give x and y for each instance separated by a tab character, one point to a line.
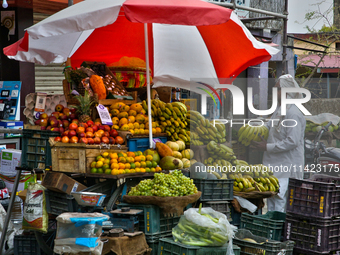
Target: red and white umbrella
189	39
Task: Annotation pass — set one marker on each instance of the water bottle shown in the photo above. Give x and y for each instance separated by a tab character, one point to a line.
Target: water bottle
17	212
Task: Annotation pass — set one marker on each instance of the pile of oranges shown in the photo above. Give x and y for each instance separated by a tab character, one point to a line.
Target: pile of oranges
124	163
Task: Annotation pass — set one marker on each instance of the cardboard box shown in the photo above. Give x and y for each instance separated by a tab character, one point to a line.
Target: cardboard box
11	125
60	182
10	159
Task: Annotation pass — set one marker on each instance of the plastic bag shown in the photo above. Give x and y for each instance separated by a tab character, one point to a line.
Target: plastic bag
244	203
210	228
35	214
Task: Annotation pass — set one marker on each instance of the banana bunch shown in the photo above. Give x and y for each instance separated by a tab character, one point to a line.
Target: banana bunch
222	163
195	138
171	117
247	133
220	151
205	129
259	179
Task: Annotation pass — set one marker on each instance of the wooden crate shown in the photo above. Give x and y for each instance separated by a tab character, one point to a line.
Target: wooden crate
77	158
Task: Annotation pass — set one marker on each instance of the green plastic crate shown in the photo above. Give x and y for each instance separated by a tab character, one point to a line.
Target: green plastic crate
263	245
153	241
36	150
269	225
215	190
167	246
152	220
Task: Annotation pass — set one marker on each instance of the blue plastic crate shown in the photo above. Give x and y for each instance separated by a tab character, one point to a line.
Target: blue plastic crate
142	144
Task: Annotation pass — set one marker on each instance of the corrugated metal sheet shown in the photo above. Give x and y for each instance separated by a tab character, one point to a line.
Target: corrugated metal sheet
49	78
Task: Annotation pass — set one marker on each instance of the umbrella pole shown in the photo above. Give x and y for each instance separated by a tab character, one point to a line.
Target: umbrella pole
148	90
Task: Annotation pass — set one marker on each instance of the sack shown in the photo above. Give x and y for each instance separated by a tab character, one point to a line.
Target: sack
210	228
35	216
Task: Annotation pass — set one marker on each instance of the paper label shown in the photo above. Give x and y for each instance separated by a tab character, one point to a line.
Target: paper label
75	187
104	115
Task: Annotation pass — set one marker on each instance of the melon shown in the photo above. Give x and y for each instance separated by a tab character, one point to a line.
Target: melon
170	163
177	154
173	146
188	153
198	171
192	161
186	163
181	145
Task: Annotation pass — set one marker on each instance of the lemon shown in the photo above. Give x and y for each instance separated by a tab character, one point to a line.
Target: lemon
99	164
105	154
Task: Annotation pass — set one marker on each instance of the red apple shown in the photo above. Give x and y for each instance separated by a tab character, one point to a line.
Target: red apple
72	116
114	133
89	129
54	122
74	139
89	135
66	123
73	126
66	111
62	116
84	140
105	140
90	123
65	139
97	140
73	110
43	116
101	127
48	128
42	128
55	129
95	128
75	121
106	134
66	133
57	139
82	135
60	123
59	107
80	130
43	122
37	122
90	141
112	140
107	128
55	114
72	133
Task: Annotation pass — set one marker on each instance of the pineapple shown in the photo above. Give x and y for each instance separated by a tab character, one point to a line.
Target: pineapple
84	107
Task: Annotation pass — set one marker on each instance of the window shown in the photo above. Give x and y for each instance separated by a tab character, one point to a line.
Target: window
337	46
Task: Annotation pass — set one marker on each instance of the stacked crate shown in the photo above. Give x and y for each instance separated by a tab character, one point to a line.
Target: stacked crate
312	219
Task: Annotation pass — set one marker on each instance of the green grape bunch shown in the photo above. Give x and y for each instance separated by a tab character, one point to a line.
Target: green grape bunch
174	184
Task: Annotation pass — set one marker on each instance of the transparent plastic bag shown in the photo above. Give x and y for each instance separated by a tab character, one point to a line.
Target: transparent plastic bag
208	228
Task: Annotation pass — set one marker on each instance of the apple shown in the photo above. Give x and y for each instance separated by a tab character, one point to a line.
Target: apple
65	133
107	128
55	114
89	134
61	130
105	140
80	130
60	123
65	139
84	140
54	122
82	135
106	134
43	116
74	139
37	122
73	116
66	123
73	126
97	134
55	129
90	141
43	122
112	140
72	133
90	123
48	128
57	139
59	108
97	140
101	127
114	133
95	128
66	111
97	123
84	125
73	110
75	121
89	129
42	128
62	116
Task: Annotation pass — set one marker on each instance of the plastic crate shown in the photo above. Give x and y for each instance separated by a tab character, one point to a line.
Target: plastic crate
58	203
236	216
152	220
215	190
263	245
167	246
142	144
314	198
26	245
313	234
269	225
36	150
306	252
153	242
219	206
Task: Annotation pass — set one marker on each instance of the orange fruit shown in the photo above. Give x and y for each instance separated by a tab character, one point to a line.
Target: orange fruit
121	171
147	170
122	159
106	166
142	170
130	159
154	164
114	171
93	164
127	166
112	161
107	161
158	130
137	164
107	171
142	158
127	171
100	171
120	154
121	166
132	171
153	169
158	169
149	157
114	166
143	164
138	159
98	157
131	154
139	153
148	163
113	155
102	159
137	170
99	164
132	166
93	170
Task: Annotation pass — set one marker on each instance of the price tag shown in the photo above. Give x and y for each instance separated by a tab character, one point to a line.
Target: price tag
104	115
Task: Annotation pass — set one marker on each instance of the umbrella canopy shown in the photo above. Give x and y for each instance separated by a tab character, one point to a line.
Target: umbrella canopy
189	39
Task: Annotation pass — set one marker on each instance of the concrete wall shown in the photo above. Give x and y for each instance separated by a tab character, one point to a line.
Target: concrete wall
322	105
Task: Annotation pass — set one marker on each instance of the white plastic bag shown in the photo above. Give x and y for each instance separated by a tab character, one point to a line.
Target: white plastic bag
246	204
208	228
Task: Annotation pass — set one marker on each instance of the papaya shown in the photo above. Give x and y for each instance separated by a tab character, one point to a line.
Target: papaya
125	127
163	150
117	105
125	108
136	107
132	113
114	112
123	121
123	115
140	119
